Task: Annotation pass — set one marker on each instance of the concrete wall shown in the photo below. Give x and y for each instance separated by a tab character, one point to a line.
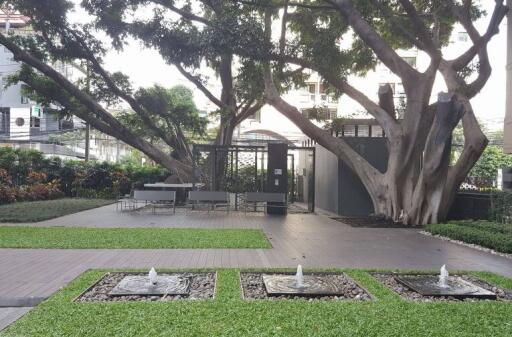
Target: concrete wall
338	189
327	180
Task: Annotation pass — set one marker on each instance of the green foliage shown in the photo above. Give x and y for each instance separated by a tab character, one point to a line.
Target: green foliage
135	238
73	178
228	314
490	162
486	234
23	212
501	206
492	159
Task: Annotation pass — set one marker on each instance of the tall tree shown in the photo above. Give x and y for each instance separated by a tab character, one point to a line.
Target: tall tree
184	33
56	39
339	38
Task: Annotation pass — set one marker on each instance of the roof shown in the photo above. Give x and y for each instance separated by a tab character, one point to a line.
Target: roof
16	20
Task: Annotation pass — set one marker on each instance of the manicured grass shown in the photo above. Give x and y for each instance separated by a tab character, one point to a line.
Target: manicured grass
229	315
43	210
81	238
484	233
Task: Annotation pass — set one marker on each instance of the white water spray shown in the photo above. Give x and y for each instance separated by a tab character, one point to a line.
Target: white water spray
299	277
443	277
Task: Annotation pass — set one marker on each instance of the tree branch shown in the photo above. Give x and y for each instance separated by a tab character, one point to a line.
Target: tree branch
169	139
420	28
169	4
247	111
95	108
368	34
200	86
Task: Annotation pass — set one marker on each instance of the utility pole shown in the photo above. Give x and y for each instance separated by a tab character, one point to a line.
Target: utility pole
507	146
87	125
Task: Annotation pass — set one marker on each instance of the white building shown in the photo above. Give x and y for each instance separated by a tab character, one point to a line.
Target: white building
22	120
270	122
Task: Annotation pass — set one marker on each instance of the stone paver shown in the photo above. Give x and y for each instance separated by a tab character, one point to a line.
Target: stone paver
9	315
307	239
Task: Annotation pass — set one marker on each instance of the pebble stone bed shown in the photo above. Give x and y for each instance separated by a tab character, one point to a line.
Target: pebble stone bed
389	281
254	288
202	286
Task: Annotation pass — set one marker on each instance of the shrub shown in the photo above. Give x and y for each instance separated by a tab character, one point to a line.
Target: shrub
30	173
490	238
501	206
36	178
7	195
5	178
40	191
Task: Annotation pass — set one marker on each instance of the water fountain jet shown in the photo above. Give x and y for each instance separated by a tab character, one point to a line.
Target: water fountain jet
299	277
443	277
152	276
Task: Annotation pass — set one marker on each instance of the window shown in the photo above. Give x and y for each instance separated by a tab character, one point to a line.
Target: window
363	131
4	120
312	88
377	131
463	37
35	122
411	61
333	114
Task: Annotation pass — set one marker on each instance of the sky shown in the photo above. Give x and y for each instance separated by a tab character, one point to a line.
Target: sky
145	68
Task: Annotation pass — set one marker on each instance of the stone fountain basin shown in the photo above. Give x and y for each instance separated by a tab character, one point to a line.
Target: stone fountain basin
140	285
428	285
313	285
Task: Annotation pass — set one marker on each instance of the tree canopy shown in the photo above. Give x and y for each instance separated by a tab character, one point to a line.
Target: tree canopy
260	49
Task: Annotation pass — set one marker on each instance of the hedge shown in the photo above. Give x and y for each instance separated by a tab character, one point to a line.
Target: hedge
485	234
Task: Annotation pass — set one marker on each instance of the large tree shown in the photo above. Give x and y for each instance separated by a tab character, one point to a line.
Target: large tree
185	34
340	38
175	32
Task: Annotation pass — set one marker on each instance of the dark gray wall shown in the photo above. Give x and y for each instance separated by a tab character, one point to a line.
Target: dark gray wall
337	188
327	180
353	198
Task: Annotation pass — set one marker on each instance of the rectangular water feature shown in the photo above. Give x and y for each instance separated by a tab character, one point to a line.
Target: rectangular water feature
456	287
311	286
141	285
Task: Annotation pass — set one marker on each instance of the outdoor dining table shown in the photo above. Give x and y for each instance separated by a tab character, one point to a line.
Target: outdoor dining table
165	185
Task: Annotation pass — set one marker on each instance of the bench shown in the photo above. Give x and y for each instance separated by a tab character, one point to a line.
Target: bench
156	198
262	199
212	199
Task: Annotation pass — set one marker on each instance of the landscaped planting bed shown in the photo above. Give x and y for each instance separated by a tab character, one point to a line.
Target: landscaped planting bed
202	286
228	314
136	238
389	280
33	211
254	288
484	233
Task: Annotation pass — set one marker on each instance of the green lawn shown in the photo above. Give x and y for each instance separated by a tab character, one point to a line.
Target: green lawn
229	315
484	233
43	210
143	238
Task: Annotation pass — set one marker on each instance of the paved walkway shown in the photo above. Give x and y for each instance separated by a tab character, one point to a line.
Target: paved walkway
311	240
